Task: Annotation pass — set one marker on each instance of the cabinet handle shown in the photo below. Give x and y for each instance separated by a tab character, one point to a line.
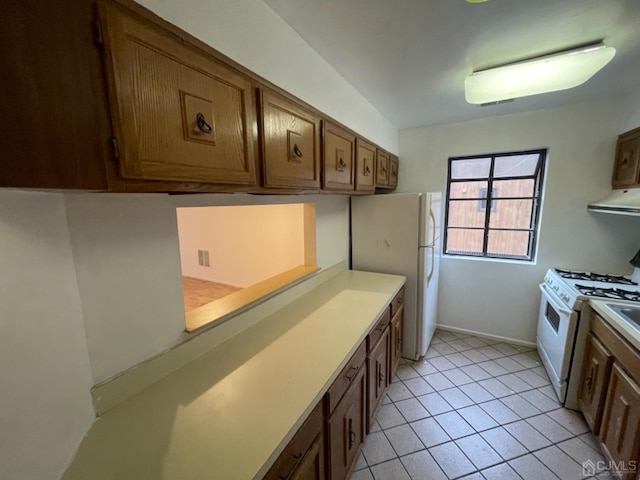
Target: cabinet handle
380	379
398	343
202	124
352	434
294	460
367	170
296	151
394	172
341	165
352	373
384	169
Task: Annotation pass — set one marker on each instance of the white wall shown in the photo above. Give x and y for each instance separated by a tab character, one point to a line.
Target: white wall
128	265
502	298
249	32
246	244
45	406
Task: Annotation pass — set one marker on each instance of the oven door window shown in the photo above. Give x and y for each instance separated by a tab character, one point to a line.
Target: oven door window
552	317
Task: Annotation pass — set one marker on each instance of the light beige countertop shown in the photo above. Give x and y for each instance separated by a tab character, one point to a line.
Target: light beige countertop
620	325
228	414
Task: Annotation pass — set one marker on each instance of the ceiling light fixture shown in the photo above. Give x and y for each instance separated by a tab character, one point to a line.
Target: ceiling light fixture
476	1
549	73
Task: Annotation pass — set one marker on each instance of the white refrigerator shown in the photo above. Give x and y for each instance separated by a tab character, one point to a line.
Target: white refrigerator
400	234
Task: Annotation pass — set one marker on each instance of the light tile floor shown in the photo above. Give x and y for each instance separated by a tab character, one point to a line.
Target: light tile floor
476	409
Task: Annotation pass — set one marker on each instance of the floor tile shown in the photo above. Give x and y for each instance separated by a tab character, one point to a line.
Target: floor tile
418	386
457	377
389	416
527	435
422	466
392	469
446	335
514	383
580	451
479	451
404	440
451	460
405	372
456	398
454	425
532	378
441	363
434	403
549	428
424	367
438	381
528	360
559	462
476	392
473	476
411	409
386	400
495	387
429	432
572	421
520	406
377	449
549	392
530	468
444	348
475	356
398	391
509	364
493	368
507	349
461	345
477	418
458	359
499	412
375	427
541	401
436	339
360	463
490	352
591	440
432	353
475	372
503	443
476	342
361	475
500	472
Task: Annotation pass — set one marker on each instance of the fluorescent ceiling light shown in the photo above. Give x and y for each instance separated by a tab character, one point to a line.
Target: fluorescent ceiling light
550	73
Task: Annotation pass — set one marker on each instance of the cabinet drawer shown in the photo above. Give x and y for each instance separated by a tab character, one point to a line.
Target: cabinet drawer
365	166
397	301
294	453
378	330
177	113
348	373
290	143
338	158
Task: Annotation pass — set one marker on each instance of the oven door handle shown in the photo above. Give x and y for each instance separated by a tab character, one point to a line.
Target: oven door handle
551	299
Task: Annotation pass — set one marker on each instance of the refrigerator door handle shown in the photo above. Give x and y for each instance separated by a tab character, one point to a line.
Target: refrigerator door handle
432	218
433	265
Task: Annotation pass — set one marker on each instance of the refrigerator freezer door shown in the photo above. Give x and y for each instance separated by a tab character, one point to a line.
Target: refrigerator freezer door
429	272
432	213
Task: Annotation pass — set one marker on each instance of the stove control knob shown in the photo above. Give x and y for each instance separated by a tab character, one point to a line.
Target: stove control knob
555	287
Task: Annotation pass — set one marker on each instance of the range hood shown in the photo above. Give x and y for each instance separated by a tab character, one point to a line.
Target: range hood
623	202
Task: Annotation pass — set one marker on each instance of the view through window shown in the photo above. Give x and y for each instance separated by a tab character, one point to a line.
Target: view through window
510	183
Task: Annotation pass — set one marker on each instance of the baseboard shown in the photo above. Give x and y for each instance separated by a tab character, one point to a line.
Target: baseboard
487	335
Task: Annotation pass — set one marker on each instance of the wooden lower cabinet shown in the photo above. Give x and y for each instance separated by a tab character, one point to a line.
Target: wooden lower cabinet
620	433
396	342
346	428
596	371
378	373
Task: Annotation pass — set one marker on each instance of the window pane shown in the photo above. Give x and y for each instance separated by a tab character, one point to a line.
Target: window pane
465	213
470	168
465	241
516	165
508	243
467	189
511	214
513	188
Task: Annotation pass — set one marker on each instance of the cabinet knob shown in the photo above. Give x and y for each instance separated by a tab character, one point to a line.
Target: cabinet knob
341	164
367	170
381	379
296	150
202	124
352	434
384	169
352	373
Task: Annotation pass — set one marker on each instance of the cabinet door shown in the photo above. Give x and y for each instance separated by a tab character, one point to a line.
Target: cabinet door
346	428
290	142
382	169
396	341
378	373
338	159
365	166
178	114
393	171
627	162
620	432
595	374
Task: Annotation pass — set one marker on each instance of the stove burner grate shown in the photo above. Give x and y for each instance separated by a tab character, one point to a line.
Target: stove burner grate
614	293
595	277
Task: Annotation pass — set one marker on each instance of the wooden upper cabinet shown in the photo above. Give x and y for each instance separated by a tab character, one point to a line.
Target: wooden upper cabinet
626	169
393	171
178	113
382	169
338	158
290	136
365	166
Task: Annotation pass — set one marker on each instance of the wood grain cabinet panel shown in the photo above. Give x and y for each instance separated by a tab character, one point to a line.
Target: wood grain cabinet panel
593	388
338	158
396	341
382	169
620	432
346	428
378	375
394	164
365	166
290	137
178	114
626	169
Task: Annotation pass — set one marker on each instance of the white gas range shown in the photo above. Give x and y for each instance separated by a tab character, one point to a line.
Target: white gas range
561	334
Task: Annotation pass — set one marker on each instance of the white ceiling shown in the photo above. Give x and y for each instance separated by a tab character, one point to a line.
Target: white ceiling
409	58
